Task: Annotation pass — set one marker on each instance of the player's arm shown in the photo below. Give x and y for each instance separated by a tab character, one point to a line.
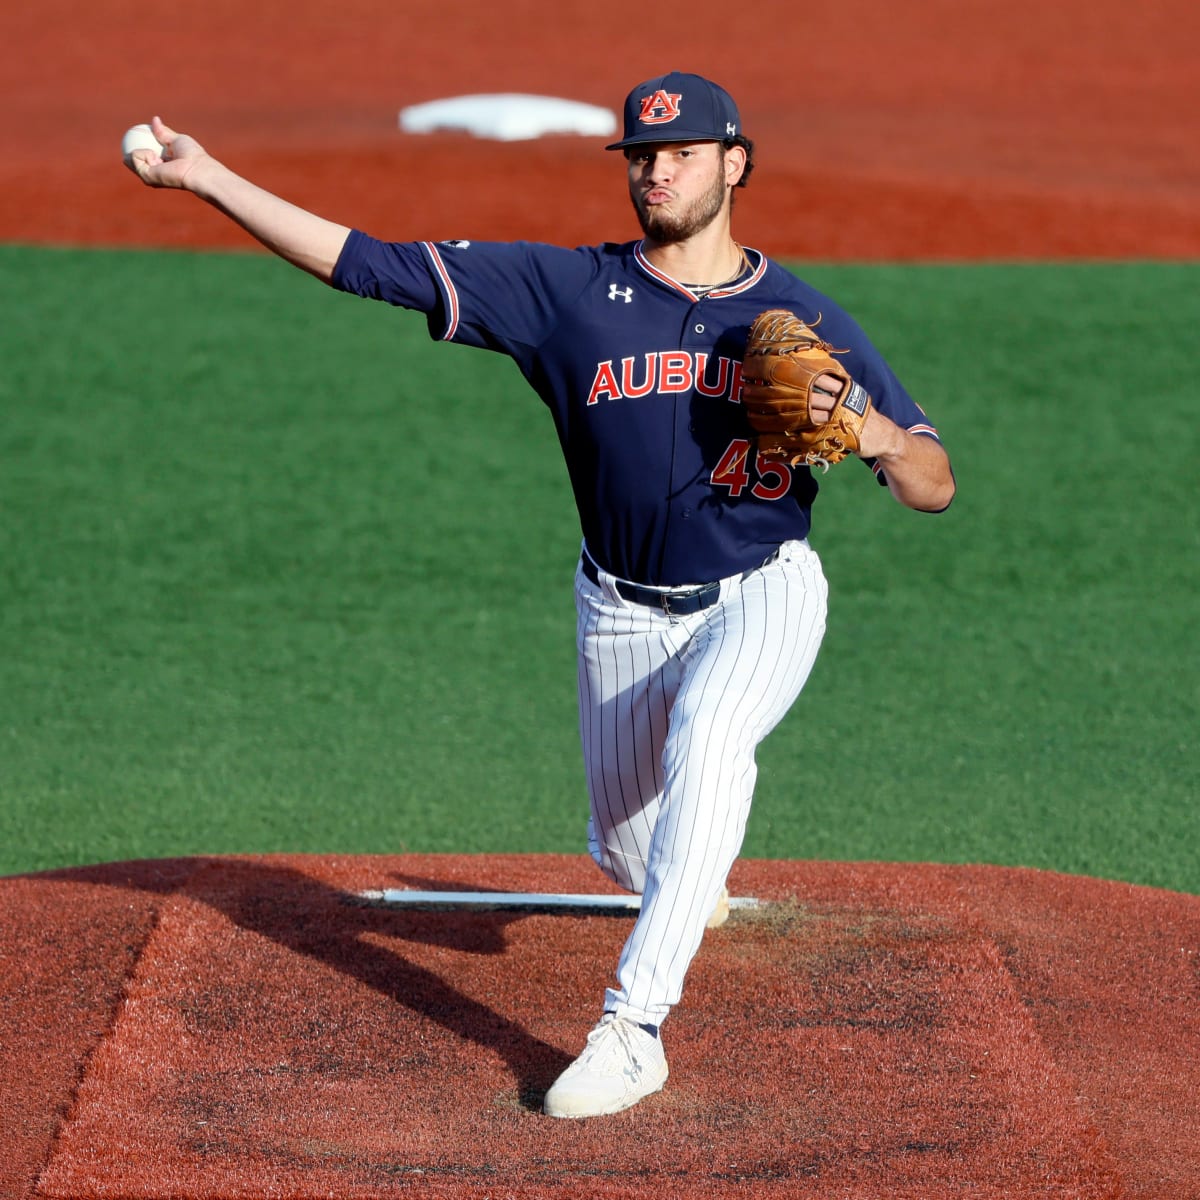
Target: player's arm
916	468
302	238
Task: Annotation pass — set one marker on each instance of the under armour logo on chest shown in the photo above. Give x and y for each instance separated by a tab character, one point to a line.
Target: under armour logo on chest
616	293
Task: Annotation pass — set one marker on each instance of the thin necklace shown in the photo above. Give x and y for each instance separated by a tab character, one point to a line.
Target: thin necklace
702	289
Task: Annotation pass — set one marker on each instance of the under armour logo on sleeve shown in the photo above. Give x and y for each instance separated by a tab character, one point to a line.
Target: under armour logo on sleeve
625	294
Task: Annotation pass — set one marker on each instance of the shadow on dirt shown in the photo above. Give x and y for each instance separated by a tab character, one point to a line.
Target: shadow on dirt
328	925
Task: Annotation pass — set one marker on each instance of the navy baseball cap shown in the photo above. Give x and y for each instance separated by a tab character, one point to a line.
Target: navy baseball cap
678	107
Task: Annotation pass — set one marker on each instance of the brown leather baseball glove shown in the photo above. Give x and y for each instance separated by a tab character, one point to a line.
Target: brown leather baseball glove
783	358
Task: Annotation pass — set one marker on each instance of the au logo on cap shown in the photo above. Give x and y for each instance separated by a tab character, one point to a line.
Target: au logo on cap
660	107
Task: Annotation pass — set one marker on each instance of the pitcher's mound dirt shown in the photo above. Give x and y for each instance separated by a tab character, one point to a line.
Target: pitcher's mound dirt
246	1027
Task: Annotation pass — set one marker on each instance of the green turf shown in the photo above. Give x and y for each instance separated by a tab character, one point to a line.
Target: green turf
288	577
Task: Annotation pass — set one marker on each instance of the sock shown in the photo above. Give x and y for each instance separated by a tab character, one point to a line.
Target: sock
652	1030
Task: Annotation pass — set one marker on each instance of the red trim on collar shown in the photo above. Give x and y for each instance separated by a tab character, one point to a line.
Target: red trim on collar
662	277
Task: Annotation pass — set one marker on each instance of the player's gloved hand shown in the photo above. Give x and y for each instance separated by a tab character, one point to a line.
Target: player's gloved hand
800	400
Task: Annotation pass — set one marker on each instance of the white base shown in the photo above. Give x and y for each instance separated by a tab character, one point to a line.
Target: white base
509	116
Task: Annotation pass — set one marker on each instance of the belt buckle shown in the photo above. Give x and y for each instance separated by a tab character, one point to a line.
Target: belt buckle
694	600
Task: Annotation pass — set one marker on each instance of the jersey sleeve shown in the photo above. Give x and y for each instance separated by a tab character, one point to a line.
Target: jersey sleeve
502	296
394	272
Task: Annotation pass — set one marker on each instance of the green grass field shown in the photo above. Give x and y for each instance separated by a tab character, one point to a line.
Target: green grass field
279	574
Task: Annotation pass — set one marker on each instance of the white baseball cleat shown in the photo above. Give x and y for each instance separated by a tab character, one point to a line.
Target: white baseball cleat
620	1065
720	914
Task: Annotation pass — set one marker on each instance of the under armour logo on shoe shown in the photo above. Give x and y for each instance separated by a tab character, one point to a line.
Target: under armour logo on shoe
625	294
621	1064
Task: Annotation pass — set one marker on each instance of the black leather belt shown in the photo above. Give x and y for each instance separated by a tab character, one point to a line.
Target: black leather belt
676	602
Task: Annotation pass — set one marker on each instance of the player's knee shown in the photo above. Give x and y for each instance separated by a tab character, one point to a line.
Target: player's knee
626	872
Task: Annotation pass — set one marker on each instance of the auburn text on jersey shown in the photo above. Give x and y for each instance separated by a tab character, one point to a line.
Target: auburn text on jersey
666	372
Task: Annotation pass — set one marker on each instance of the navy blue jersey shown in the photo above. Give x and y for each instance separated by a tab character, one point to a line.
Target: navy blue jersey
643	381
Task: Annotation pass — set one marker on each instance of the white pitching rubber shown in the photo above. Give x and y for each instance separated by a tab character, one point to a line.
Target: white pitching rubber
542	901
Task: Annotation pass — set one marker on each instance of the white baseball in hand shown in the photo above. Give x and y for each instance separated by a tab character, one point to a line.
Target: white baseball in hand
139	138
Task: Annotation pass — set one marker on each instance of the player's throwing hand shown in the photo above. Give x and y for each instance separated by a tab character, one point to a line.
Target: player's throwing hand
172	167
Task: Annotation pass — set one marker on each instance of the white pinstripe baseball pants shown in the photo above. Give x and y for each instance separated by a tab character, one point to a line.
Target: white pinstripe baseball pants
671	711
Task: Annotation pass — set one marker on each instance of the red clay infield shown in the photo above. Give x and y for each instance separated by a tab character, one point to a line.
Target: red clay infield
927	129
243	1027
